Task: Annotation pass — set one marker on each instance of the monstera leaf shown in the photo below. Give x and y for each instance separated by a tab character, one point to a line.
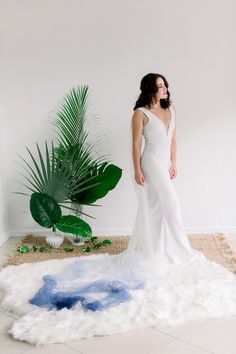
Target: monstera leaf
44	209
107	177
74	225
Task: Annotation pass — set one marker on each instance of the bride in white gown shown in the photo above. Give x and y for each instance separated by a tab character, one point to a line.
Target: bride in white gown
159	279
158	230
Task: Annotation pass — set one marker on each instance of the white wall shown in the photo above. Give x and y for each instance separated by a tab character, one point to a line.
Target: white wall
49	46
4	227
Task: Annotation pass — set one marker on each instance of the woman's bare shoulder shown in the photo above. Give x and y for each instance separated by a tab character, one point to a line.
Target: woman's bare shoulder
139	117
138	113
139	110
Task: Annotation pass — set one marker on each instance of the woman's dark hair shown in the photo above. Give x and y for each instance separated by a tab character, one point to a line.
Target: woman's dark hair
149	88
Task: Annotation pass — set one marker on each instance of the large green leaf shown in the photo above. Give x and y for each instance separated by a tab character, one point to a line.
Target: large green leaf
44	209
74	225
108	176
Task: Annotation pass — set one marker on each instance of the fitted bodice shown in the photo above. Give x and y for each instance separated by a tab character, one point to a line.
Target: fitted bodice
157	135
155	129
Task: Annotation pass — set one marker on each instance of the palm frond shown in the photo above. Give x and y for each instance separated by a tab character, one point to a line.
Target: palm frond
54	176
73	209
73	139
71	121
71	116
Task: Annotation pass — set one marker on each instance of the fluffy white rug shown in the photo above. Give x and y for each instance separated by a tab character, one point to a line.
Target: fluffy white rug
201	289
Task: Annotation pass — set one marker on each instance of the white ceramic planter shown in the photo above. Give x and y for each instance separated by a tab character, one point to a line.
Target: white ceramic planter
54	239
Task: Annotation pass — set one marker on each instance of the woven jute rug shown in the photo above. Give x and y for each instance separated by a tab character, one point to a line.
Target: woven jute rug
214	246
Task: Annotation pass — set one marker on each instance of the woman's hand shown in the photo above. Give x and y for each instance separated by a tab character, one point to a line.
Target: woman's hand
173	171
139	178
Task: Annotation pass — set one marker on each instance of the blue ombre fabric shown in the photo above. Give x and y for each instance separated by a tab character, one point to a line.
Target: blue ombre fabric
82	282
117	292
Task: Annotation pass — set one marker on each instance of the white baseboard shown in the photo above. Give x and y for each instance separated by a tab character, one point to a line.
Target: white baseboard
3	238
96	232
125	231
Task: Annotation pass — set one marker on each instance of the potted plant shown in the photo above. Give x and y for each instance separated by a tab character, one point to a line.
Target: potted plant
69	176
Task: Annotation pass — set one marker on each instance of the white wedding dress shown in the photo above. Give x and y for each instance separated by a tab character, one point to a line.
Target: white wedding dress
158	280
158	232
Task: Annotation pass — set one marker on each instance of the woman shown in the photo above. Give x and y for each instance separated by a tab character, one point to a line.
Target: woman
158	229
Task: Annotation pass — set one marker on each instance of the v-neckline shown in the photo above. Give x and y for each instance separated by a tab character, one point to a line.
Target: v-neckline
167	128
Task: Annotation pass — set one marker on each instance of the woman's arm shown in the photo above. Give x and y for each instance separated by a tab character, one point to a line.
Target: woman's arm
174	142
173	152
137	128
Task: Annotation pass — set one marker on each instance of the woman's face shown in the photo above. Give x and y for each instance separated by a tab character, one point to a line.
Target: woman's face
162	90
